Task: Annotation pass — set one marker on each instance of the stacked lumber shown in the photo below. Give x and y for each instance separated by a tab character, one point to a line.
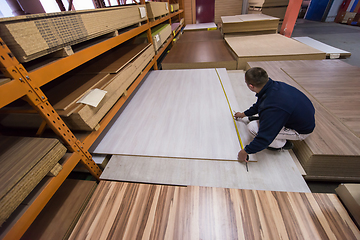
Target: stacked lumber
156	9
227	8
24	163
33	36
199	49
249	23
112	72
122	210
60	215
350	195
190	12
275	8
270	47
332	151
174	7
159	35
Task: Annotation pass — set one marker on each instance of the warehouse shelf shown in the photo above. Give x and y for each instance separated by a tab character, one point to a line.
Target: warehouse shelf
27	85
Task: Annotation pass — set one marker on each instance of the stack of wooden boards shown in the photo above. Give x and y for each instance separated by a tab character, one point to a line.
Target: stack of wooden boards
199	49
249	24
349	194
275	8
174	7
130	210
156	9
332	151
33	36
61	213
112	72
24	163
159	34
270	47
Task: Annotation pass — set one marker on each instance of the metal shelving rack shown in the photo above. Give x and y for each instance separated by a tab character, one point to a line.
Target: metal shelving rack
27	85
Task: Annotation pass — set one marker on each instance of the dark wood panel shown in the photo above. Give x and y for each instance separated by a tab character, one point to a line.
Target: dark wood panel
200	36
133	211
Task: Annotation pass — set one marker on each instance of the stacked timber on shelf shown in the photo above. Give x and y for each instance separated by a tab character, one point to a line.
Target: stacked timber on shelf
33	36
159	34
173	212
249	24
270	47
227	8
112	72
199	49
24	163
156	9
275	8
174	7
332	151
58	218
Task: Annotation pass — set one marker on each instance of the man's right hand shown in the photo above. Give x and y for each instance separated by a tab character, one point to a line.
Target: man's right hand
239	115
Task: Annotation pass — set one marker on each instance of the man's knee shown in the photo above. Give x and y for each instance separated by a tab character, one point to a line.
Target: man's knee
253	127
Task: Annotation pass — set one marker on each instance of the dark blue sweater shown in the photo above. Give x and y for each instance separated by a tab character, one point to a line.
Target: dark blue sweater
279	105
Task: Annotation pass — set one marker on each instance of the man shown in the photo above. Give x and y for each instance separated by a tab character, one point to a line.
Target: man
285	113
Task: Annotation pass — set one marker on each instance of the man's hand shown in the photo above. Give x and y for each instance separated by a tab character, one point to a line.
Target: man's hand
239	115
242	156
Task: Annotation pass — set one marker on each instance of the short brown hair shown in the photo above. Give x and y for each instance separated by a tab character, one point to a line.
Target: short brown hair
256	76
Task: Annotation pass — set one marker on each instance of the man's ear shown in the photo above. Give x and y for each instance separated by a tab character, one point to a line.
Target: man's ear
251	86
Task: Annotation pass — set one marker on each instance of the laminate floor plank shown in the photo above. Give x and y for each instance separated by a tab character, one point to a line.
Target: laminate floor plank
121	210
332	151
177	113
336	88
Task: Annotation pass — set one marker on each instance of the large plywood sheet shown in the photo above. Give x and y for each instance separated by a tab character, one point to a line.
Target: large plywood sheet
177	113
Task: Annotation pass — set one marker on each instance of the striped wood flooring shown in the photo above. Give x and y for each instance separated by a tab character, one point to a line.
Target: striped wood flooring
121	210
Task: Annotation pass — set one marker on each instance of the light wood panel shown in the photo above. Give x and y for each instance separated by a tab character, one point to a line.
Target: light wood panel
143	211
200	26
24	162
58	218
336	88
272	171
349	193
270	47
177	113
189	11
199	54
227	8
332	151
248	23
331	52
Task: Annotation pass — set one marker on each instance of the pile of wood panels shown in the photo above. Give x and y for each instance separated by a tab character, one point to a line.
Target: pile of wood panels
156	9
199	49
270	47
33	36
147	211
275	8
174	7
227	8
112	72
59	217
24	163
249	24
332	151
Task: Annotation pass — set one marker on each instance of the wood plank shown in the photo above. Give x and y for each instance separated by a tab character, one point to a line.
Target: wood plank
272	172
349	193
200	26
227	8
200	36
336	88
249	23
332	151
270	47
120	210
168	116
24	161
205	54
59	216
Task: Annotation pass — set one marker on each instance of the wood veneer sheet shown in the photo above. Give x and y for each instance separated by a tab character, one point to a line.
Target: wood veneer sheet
120	210
274	172
176	113
200	26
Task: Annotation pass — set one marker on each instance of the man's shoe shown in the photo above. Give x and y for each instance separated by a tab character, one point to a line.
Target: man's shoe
252	118
288	145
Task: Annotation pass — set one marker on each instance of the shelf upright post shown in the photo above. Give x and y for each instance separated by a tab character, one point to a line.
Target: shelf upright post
11	68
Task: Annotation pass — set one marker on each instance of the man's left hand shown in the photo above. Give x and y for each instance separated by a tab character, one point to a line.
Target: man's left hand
242	156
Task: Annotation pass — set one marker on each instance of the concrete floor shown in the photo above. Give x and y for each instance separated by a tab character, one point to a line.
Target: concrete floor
338	35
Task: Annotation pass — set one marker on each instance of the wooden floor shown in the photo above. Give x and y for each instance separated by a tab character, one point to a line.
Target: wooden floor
199	49
332	151
121	210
